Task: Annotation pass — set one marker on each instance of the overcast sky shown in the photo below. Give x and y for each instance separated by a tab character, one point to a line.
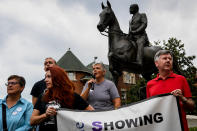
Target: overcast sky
31	30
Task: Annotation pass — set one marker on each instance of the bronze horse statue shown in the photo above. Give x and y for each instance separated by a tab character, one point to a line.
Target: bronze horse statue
122	52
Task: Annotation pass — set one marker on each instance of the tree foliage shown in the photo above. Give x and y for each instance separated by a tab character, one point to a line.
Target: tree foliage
134	93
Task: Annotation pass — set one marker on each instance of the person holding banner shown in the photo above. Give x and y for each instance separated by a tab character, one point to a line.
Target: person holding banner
59	94
101	93
169	82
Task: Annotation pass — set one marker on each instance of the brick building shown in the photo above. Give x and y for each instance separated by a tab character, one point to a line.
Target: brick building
75	69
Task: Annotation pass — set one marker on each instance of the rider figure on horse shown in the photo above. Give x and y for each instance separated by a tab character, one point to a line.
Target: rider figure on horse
137	33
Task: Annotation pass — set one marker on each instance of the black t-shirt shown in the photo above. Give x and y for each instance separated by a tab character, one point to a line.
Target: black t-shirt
38	88
48	125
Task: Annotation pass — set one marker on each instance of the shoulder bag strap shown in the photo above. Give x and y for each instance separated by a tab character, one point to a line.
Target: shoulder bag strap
4	117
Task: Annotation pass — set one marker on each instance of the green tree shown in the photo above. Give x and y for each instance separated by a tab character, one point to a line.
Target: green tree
134	92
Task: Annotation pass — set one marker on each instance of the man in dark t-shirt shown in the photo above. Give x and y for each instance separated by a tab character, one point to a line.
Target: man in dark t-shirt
38	89
40	86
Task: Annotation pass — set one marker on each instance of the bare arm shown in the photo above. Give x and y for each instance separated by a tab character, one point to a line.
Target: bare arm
90	108
85	94
116	102
36	118
34	100
188	103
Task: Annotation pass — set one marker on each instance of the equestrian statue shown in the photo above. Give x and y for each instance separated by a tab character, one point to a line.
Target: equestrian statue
128	52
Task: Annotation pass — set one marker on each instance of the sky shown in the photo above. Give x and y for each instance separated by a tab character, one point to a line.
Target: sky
31	30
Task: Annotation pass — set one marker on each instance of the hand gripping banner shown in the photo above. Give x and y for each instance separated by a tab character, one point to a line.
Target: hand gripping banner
159	113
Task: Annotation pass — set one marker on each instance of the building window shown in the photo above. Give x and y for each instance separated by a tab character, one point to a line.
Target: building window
129	78
72	76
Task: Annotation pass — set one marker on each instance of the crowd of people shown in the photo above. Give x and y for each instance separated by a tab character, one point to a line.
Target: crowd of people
56	90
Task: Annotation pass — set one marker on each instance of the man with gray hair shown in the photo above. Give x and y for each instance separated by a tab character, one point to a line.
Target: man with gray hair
169	82
101	93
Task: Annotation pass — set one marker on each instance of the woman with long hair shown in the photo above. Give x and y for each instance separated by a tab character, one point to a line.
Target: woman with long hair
59	94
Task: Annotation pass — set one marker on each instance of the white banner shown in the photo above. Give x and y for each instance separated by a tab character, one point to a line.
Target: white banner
158	113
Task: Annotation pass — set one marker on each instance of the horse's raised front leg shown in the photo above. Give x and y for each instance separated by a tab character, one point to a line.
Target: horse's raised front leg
115	74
